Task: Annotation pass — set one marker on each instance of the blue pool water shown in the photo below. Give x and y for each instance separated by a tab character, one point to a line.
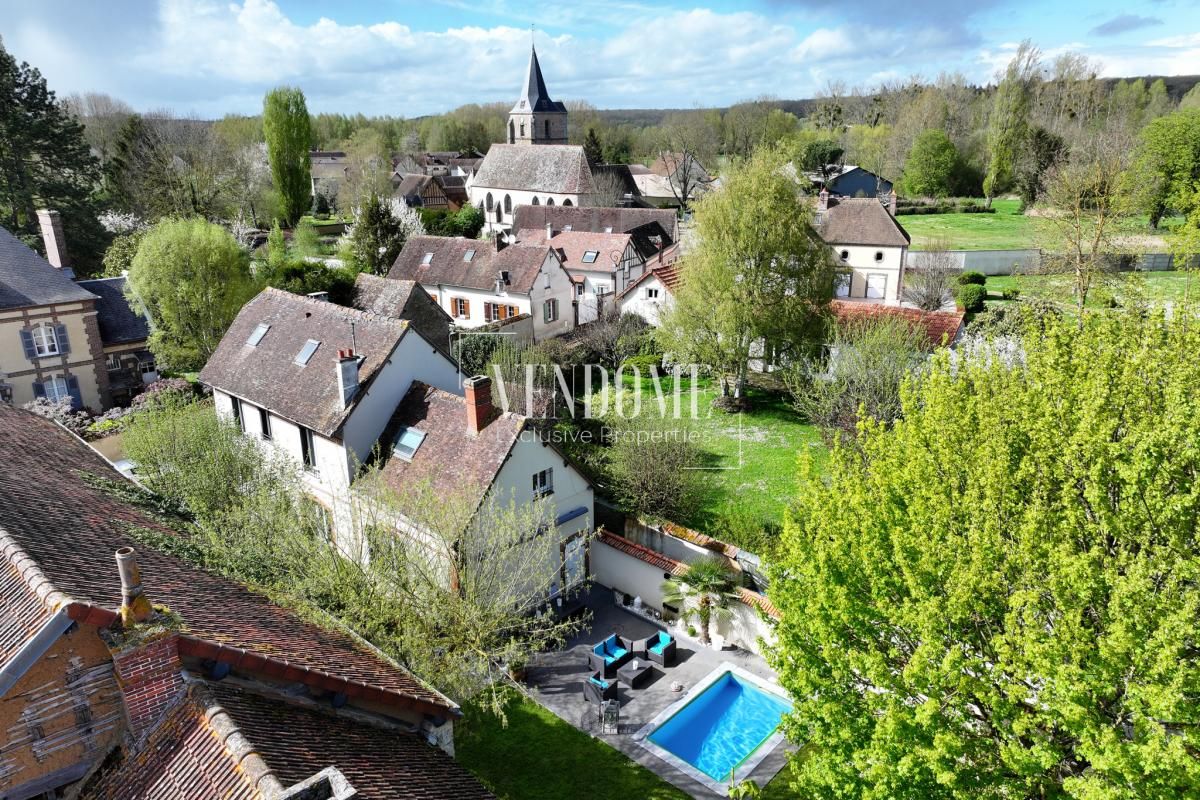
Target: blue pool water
721	726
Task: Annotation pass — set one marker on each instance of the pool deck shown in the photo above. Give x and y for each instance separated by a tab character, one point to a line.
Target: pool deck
556	681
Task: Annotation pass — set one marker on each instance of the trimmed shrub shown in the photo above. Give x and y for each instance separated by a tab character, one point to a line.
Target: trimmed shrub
971	297
969	278
644	362
1011	294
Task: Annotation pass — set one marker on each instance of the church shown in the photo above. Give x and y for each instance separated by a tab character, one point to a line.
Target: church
536	166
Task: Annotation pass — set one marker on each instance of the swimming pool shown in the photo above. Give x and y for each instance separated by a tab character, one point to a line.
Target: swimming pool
730	716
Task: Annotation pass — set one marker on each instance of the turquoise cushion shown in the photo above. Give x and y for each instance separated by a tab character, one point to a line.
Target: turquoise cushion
600	683
618	653
599	649
658	647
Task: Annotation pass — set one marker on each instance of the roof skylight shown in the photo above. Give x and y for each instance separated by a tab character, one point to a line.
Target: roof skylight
407	441
590	256
427	259
258	333
469	255
306	353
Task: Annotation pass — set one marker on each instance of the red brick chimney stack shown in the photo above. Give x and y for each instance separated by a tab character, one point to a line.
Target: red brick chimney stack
52	236
480	410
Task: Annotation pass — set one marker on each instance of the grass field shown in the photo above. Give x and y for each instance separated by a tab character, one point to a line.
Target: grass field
540	757
750	458
1007	229
1154	287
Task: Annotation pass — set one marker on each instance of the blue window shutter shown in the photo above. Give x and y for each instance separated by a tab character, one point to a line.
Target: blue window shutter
27	343
73	390
64	344
39	391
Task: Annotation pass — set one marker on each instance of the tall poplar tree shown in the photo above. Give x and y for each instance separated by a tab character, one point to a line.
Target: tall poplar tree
1008	125
288	131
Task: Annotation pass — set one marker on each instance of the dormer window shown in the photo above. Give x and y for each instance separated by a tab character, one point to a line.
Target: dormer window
257	334
306	353
608	229
469	255
427	258
590	256
407	441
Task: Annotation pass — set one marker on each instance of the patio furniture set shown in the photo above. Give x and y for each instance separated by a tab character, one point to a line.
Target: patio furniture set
629	660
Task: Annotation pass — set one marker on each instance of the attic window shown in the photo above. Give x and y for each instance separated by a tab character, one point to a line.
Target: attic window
407	441
590	256
469	255
505	277
306	353
258	334
608	229
569	228
427	259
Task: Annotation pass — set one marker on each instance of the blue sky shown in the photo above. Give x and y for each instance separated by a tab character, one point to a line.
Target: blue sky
210	57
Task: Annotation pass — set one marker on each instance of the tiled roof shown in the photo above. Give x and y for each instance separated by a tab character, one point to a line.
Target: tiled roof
27	279
449	267
266	374
595	219
391	297
550	168
22	612
411	185
450	461
63	532
942	327
668	275
119	323
572	245
861	220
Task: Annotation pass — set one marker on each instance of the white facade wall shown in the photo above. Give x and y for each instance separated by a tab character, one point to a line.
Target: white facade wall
640	301
600	286
500	219
871	266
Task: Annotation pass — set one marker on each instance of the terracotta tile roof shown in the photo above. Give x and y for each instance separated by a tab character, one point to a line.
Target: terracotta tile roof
571	247
451	461
449	266
296	742
548	168
861	220
652	557
62	532
941	327
697	538
669	276
396	299
596	219
27	279
752	598
266	374
22	612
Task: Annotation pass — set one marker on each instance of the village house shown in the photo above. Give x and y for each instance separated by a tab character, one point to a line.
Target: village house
421	191
600	264
519	173
652	228
406	300
124	334
653	292
869	245
478	285
849	180
127	672
663	183
50	341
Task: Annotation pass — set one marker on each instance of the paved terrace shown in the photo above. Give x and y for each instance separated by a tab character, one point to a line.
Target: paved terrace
556	681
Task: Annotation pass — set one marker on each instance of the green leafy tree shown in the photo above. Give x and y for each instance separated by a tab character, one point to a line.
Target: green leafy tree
192	277
46	162
997	598
821	156
653	465
706	589
1191	100
592	149
305	240
288	132
1042	151
929	170
1008	124
118	258
306	277
759	273
379	233
276	247
1166	165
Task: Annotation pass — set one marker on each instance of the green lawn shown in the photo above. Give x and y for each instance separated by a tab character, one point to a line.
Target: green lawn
1007	229
540	757
750	458
1155	287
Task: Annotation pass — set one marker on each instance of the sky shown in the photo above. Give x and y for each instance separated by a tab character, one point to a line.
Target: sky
410	58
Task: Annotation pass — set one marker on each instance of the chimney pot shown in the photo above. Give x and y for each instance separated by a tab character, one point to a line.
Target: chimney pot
823	200
52	235
478	394
347	372
549	231
892	202
134	605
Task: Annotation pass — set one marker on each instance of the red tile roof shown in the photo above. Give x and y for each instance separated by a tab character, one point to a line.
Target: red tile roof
61	531
941	327
651	557
572	245
668	276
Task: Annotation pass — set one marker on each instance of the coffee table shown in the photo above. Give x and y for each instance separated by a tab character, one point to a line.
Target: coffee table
634	678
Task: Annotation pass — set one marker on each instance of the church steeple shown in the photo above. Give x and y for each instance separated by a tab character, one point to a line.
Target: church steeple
536	118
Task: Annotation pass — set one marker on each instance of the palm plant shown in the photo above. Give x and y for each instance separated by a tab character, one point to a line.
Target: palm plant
706	587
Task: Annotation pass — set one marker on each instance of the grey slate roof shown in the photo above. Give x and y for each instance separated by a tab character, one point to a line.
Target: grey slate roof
596	219
448	266
267	374
119	322
862	221
27	279
411	185
534	95
553	168
399	299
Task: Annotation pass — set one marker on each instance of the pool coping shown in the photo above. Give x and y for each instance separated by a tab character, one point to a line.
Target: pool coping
748	764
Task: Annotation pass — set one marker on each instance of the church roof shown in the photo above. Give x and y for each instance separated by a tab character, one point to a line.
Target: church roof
552	168
534	95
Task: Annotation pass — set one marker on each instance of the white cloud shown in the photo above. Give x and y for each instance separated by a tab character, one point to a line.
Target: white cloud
1185	40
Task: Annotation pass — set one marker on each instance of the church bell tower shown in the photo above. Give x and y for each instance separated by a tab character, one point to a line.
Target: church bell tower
536	119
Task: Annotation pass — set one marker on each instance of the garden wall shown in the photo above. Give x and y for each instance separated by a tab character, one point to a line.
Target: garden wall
1008	262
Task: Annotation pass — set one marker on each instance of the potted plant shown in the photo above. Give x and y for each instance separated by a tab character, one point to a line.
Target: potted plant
705	589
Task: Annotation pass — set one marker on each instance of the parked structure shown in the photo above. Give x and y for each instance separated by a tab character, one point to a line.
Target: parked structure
869	246
146	677
477	284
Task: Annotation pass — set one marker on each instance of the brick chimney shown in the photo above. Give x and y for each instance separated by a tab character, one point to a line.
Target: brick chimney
823	201
52	236
347	373
480	410
135	607
891	202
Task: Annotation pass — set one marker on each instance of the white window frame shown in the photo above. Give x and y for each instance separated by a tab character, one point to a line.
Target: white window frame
56	389
543	482
550	310
308	449
45	341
